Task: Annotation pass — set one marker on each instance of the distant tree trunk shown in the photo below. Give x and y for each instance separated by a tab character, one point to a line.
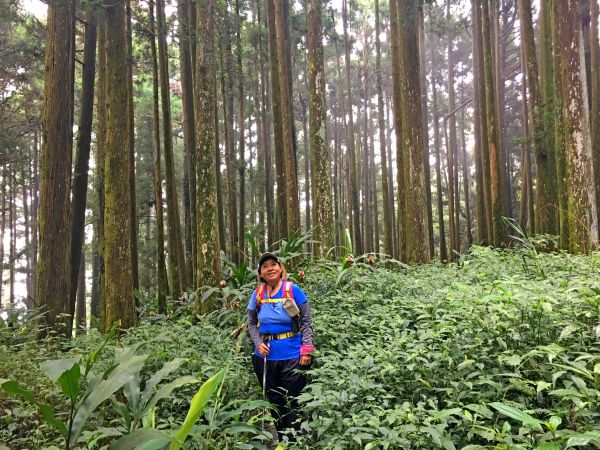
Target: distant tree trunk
266	138
320	153
135	278
80	177
485	223
451	148
438	171
397	105
291	179
306	154
81	306
549	104
241	126
177	267
162	283
26	177
388	241
545	159
218	181
526	213
208	264
117	247
280	215
559	130
53	267
2	228
465	169
189	135
99	296
595	110
496	176
575	129
366	217
12	223
424	120
417	242
355	206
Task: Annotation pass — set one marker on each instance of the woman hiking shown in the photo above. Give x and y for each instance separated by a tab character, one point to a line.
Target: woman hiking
280	325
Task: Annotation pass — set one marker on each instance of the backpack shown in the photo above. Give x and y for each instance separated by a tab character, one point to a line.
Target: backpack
261	291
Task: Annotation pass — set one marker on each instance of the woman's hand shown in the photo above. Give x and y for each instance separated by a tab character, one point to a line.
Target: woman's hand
263	349
305	360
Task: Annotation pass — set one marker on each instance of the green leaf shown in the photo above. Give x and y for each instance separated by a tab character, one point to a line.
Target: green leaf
446	412
144	439
196	407
158	376
104	389
54	368
547	447
12	387
517	414
69	382
166	390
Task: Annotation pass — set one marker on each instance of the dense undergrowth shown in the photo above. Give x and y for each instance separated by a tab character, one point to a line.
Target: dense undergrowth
498	351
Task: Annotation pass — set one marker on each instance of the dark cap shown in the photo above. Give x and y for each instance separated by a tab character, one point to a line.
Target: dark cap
265	257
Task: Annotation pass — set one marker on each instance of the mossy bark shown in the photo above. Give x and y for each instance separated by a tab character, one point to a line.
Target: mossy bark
53	268
119	303
319	148
595	109
207	251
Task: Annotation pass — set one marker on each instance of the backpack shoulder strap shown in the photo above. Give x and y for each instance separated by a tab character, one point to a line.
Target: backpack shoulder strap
289	292
260	296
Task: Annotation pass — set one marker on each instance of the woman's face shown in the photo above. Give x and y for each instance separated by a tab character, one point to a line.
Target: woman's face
271	271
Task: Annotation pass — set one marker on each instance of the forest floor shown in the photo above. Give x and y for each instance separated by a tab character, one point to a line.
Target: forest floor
500	350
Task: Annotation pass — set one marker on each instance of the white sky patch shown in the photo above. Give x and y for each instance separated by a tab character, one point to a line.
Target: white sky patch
37	8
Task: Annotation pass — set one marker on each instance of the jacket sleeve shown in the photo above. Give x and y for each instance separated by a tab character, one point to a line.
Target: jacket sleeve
252	327
306	328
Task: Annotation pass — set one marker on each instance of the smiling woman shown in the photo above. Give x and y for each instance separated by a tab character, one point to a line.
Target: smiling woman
280	324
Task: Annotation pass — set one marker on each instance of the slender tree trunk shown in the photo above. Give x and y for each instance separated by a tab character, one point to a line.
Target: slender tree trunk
495	161
241	125
595	110
52	290
424	120
465	170
438	172
320	153
355	206
218	181
397	105
80	177
177	267
451	148
189	135
2	228
26	179
162	283
526	215
117	247
388	241
12	248
367	218
208	241
306	155
291	179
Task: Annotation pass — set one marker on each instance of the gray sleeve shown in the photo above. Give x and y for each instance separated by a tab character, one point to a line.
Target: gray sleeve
306	325
252	327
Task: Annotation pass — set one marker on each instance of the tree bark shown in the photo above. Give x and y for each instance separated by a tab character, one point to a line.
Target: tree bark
117	247
53	267
81	306
451	149
595	110
241	126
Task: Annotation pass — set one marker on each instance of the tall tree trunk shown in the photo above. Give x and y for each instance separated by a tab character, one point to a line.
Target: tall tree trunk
99	294
367	218
80	177
208	264
117	247
424	120
417	242
575	130
320	153
595	110
218	182
280	215
2	228
241	126
465	169
495	160
177	267
451	148
438	171
526	213
162	279
12	250
306	154
26	177
291	180
135	278
189	134
355	206
397	105
52	289
545	159
388	241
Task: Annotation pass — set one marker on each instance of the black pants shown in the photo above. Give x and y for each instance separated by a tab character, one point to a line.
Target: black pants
284	384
